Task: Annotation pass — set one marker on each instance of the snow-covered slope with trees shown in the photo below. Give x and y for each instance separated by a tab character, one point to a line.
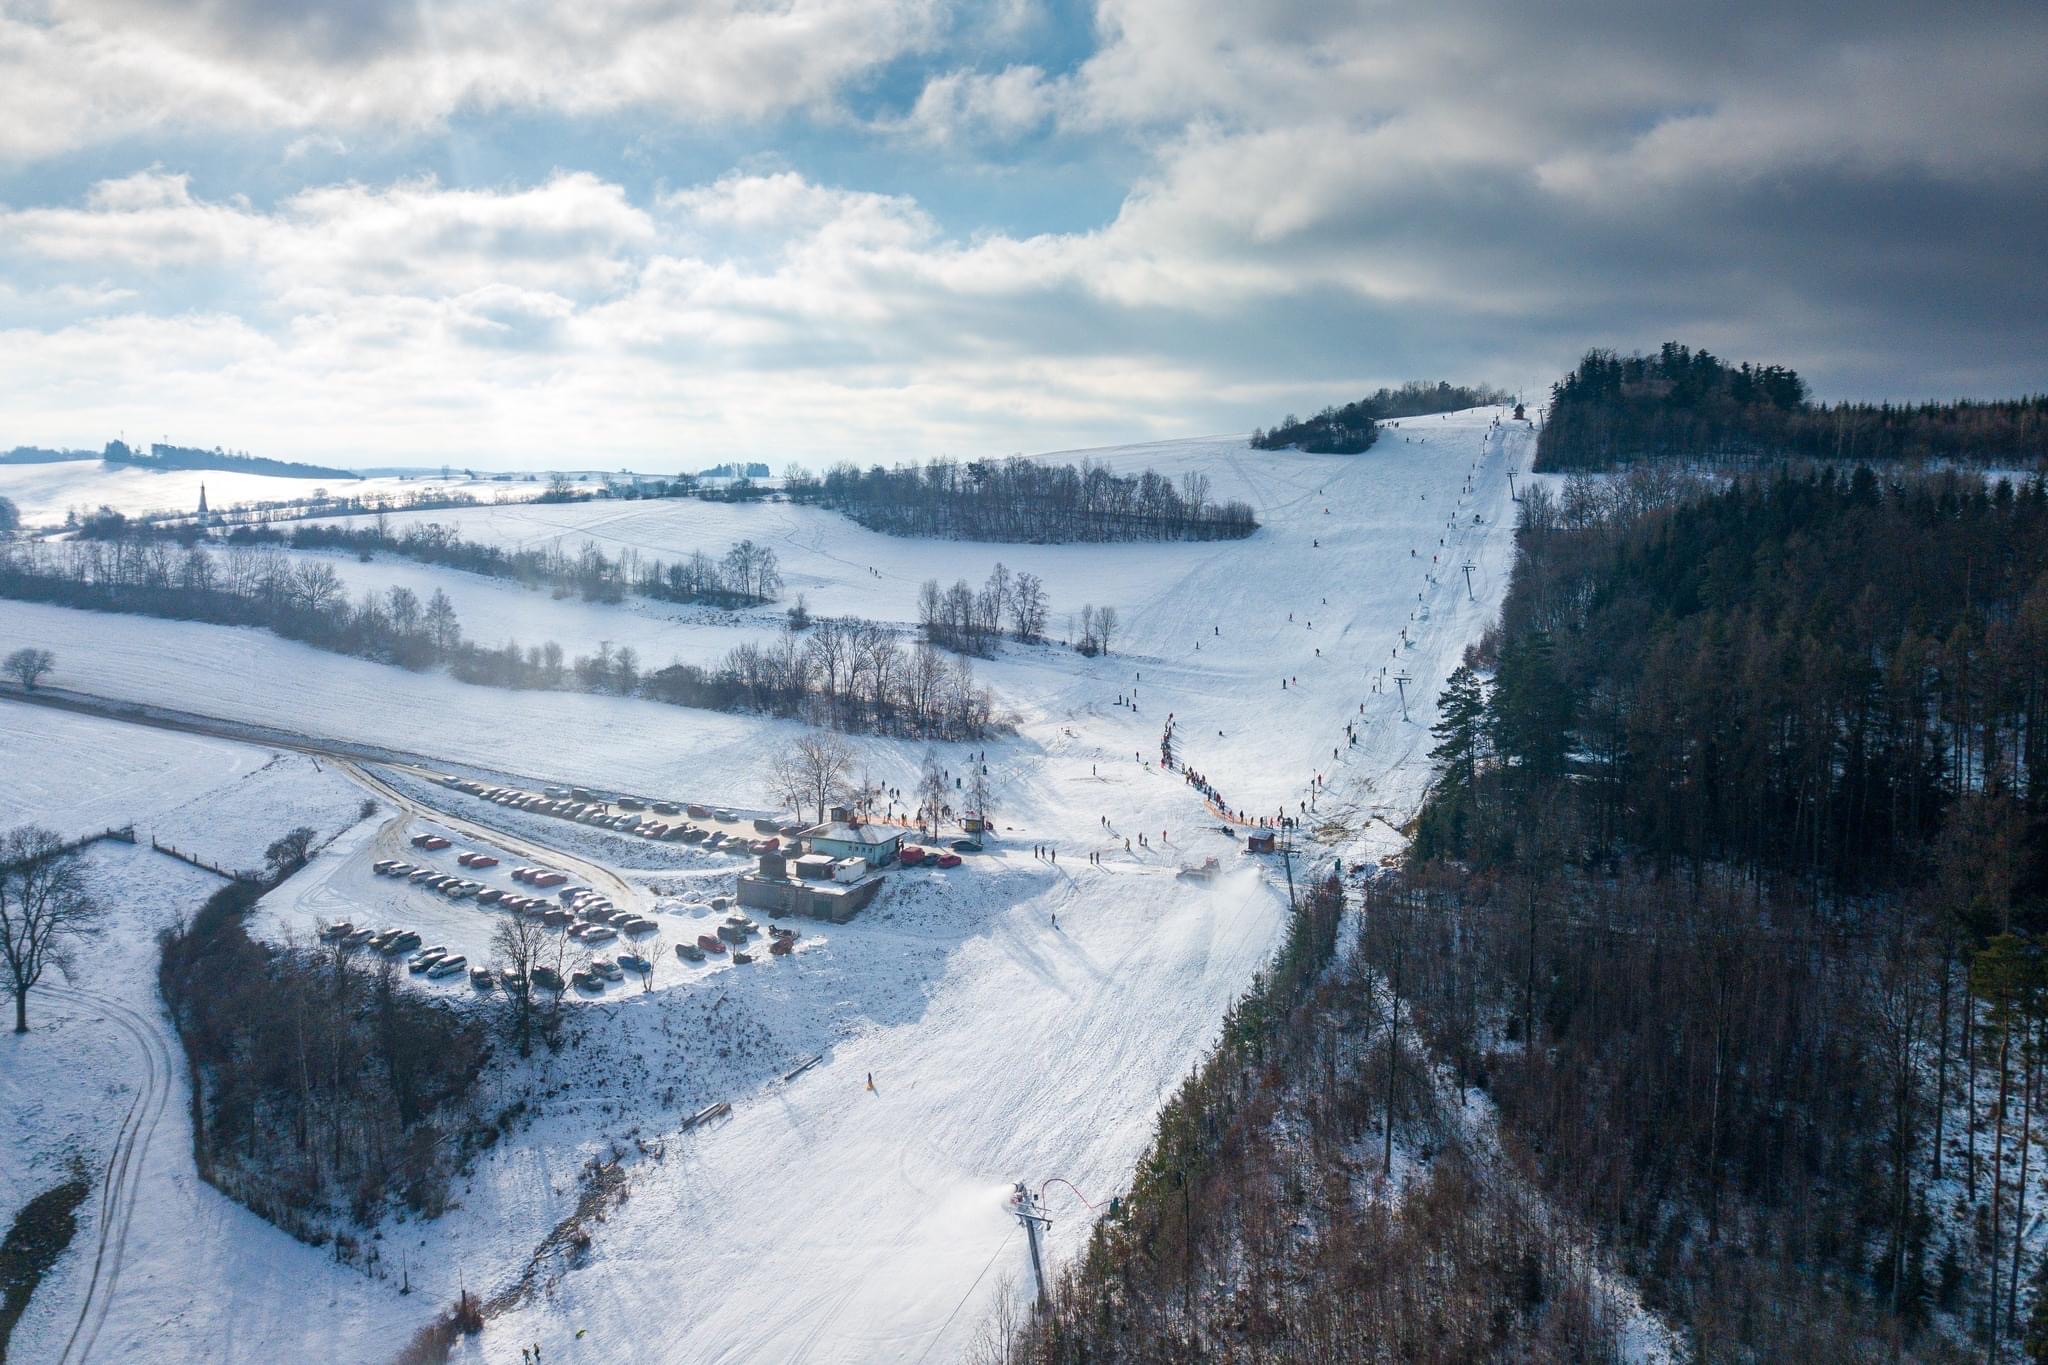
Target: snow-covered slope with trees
822	1220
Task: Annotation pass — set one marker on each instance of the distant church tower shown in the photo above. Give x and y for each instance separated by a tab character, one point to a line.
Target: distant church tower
203	519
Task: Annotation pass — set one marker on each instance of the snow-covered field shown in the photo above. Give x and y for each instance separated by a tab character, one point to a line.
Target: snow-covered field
199	1277
45	492
823	1220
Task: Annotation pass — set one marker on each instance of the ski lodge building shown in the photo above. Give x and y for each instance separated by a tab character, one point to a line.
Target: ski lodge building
840	838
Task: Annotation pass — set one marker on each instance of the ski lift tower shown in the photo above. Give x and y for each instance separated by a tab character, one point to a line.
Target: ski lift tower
1468	567
1401	680
1025	1205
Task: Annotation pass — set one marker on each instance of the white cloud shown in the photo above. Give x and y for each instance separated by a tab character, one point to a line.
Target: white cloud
1327	196
76	72
976	106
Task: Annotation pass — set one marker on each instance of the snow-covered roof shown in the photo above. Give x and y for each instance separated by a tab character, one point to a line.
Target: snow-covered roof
840	832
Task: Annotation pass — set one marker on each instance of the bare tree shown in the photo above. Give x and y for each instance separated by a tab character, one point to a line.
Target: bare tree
812	769
1105	627
655	951
44	910
978	798
1027	606
27	666
519	944
931	792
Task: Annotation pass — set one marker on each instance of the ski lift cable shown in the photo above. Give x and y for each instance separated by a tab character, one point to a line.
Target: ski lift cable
939	1335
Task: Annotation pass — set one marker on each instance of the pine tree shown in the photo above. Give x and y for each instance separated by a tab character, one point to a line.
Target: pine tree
1459	731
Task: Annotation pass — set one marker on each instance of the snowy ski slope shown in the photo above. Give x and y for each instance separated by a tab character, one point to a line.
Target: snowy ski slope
824	1221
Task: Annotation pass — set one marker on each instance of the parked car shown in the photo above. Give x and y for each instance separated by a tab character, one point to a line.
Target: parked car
689	952
711	944
480	977
426	958
666	808
949	860
726	815
547	977
742	958
697	812
607	969
588	981
633	962
447	966
967	845
334	932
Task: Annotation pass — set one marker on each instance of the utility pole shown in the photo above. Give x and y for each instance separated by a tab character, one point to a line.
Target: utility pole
1468	566
1025	1206
1511	487
1401	680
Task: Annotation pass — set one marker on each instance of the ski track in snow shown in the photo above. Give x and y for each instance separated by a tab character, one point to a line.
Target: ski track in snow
820	1221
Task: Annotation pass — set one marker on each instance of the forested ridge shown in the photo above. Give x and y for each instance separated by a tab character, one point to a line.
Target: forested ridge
1687	404
1736	875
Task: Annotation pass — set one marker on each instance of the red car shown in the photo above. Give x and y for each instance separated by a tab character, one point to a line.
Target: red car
711	943
910	855
949	860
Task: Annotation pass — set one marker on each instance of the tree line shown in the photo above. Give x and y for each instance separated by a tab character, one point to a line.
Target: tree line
161	456
1736	881
1025	500
916	691
1614	409
746	575
1352	428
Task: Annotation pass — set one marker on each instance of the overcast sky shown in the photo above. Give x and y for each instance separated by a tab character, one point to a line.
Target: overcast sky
659	232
